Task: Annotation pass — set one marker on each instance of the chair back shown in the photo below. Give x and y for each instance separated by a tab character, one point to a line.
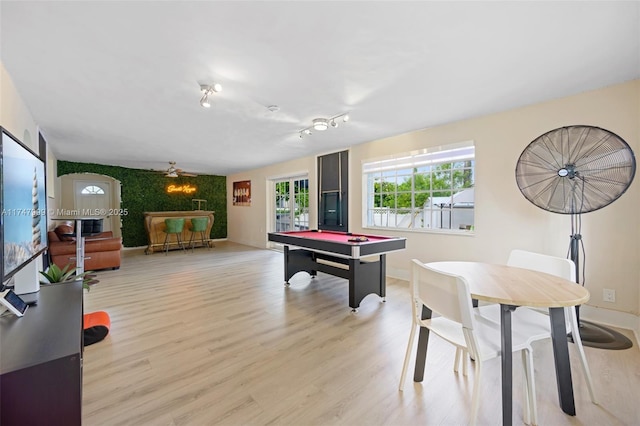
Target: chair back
199	224
445	294
174	225
558	266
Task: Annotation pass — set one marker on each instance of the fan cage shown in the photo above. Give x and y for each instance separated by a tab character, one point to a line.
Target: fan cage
575	169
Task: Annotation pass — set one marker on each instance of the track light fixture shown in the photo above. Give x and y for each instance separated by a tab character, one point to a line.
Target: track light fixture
206	91
322	124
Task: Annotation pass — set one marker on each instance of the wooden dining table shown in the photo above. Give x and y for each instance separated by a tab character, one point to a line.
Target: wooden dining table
513	287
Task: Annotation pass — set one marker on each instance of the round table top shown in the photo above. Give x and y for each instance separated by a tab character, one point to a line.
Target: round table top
509	285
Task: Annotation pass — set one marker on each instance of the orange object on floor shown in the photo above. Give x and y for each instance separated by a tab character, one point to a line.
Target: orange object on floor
96	326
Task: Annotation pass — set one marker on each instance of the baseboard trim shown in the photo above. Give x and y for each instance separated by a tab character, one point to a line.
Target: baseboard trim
144	247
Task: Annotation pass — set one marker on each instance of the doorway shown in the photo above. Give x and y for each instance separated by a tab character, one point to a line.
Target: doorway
291	202
93	195
92	198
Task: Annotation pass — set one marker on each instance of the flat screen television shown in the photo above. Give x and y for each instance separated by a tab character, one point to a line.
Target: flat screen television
23	203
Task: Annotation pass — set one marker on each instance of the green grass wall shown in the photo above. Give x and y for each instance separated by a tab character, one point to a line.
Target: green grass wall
145	191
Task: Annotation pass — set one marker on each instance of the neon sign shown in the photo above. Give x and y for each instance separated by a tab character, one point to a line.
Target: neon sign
186	189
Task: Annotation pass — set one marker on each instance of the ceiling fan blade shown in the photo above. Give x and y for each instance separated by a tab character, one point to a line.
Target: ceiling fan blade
185	174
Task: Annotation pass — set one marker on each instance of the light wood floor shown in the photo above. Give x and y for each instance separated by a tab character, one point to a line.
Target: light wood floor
213	337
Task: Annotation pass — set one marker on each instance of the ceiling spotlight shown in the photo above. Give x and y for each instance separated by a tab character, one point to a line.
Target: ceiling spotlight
205	101
322	124
206	91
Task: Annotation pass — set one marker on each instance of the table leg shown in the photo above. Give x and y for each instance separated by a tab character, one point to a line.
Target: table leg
561	359
382	276
423	341
507	363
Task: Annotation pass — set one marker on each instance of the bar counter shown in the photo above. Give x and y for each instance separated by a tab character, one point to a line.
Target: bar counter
154	225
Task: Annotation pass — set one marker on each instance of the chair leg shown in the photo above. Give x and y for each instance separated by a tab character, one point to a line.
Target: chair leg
530	404
465	355
204	240
475	399
192	241
461	356
577	340
180	242
407	356
526	401
166	245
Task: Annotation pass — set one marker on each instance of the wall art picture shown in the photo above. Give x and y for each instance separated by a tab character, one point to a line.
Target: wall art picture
242	193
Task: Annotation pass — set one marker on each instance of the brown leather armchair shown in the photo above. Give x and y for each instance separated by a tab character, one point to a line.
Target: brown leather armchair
101	251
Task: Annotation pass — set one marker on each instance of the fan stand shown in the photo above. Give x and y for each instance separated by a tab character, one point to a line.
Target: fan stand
591	334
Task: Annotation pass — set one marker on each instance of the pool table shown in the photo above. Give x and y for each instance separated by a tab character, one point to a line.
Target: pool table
345	252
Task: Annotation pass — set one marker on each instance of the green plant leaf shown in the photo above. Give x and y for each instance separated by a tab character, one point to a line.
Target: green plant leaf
54	274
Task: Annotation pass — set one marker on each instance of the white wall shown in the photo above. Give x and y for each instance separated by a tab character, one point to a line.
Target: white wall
251	224
504	218
16	118
14	114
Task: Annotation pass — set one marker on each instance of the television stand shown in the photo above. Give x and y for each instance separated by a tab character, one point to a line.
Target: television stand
41	363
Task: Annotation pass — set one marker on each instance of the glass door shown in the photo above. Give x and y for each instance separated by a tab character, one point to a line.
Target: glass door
291	204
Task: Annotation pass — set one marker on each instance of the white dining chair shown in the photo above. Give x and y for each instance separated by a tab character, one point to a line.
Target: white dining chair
535	323
459	324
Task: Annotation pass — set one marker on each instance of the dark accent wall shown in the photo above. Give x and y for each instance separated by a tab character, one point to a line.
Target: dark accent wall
145	191
333	191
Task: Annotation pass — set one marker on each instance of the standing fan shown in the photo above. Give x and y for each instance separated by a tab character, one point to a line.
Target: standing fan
574	170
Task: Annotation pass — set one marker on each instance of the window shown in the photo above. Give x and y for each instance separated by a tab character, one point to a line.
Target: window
92	190
430	189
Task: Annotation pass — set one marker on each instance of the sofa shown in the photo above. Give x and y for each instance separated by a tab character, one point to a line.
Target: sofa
101	250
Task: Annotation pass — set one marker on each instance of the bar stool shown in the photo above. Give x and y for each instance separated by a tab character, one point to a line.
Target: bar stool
173	226
199	225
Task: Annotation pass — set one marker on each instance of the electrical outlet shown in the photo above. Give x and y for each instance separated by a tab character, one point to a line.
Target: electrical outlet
608	295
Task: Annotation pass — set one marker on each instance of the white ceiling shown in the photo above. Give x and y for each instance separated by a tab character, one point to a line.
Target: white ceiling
118	82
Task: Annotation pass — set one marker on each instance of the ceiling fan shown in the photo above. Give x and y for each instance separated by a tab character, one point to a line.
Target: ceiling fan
173	172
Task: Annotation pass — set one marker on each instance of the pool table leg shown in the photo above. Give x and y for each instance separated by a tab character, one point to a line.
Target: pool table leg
366	278
296	261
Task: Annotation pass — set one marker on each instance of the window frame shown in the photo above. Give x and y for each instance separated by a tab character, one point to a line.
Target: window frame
92	190
401	169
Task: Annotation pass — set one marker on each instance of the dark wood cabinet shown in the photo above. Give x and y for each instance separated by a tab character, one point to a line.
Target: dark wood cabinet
41	360
333	191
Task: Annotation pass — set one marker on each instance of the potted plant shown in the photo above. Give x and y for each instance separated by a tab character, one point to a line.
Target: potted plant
55	274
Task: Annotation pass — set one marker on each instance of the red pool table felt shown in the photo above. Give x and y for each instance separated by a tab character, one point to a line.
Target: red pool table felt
340	237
